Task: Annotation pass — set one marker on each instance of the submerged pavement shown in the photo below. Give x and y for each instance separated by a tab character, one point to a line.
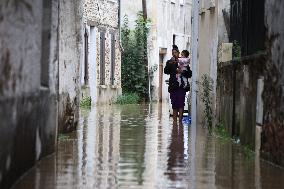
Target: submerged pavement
137	146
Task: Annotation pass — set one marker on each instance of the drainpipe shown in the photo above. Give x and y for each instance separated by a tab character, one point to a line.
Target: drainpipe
119	25
194	58
234	133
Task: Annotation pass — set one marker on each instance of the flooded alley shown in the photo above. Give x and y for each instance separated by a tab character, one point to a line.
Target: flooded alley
137	146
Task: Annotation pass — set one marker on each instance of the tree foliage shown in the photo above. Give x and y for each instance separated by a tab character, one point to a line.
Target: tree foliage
134	56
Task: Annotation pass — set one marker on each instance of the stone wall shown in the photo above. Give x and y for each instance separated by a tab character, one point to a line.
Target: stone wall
70	60
239	112
237	96
273	96
102	16
225	93
102	13
106	92
28	110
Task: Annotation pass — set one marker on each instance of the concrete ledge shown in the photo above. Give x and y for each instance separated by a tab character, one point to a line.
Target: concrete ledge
102	86
244	60
114	87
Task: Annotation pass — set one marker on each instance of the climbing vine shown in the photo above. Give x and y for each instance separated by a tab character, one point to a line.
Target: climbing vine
134	56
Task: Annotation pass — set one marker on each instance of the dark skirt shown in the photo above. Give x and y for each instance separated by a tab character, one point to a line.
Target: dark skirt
177	98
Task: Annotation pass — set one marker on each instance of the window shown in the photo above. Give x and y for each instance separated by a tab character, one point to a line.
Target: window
247	25
86	63
45	47
112	70
102	58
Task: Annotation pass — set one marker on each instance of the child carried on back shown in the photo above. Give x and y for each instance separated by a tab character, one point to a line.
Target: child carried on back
183	64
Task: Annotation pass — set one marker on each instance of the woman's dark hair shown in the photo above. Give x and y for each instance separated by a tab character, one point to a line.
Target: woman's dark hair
175	48
185	53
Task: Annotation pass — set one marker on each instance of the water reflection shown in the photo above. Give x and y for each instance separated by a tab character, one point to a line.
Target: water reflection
177	161
138	146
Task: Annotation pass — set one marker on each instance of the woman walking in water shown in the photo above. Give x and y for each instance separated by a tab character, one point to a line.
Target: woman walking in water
177	91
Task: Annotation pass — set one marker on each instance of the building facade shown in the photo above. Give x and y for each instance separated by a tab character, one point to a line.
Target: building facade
101	71
170	24
28	85
213	32
228	26
41	54
70	47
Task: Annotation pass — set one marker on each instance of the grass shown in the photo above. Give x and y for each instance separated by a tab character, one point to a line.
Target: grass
86	102
127	98
62	137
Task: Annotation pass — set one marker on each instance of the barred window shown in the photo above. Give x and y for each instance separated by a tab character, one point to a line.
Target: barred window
112	59
102	58
247	25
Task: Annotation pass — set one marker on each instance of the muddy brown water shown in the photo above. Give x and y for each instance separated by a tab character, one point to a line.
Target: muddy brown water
137	146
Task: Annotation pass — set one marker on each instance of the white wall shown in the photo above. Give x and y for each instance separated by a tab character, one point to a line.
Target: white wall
28	106
70	60
167	19
212	31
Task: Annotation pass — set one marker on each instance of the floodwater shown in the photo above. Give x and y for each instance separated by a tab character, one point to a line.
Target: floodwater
137	146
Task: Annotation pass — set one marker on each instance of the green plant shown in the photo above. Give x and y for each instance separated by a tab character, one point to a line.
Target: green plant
134	57
221	132
127	98
86	102
248	152
206	97
237	50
